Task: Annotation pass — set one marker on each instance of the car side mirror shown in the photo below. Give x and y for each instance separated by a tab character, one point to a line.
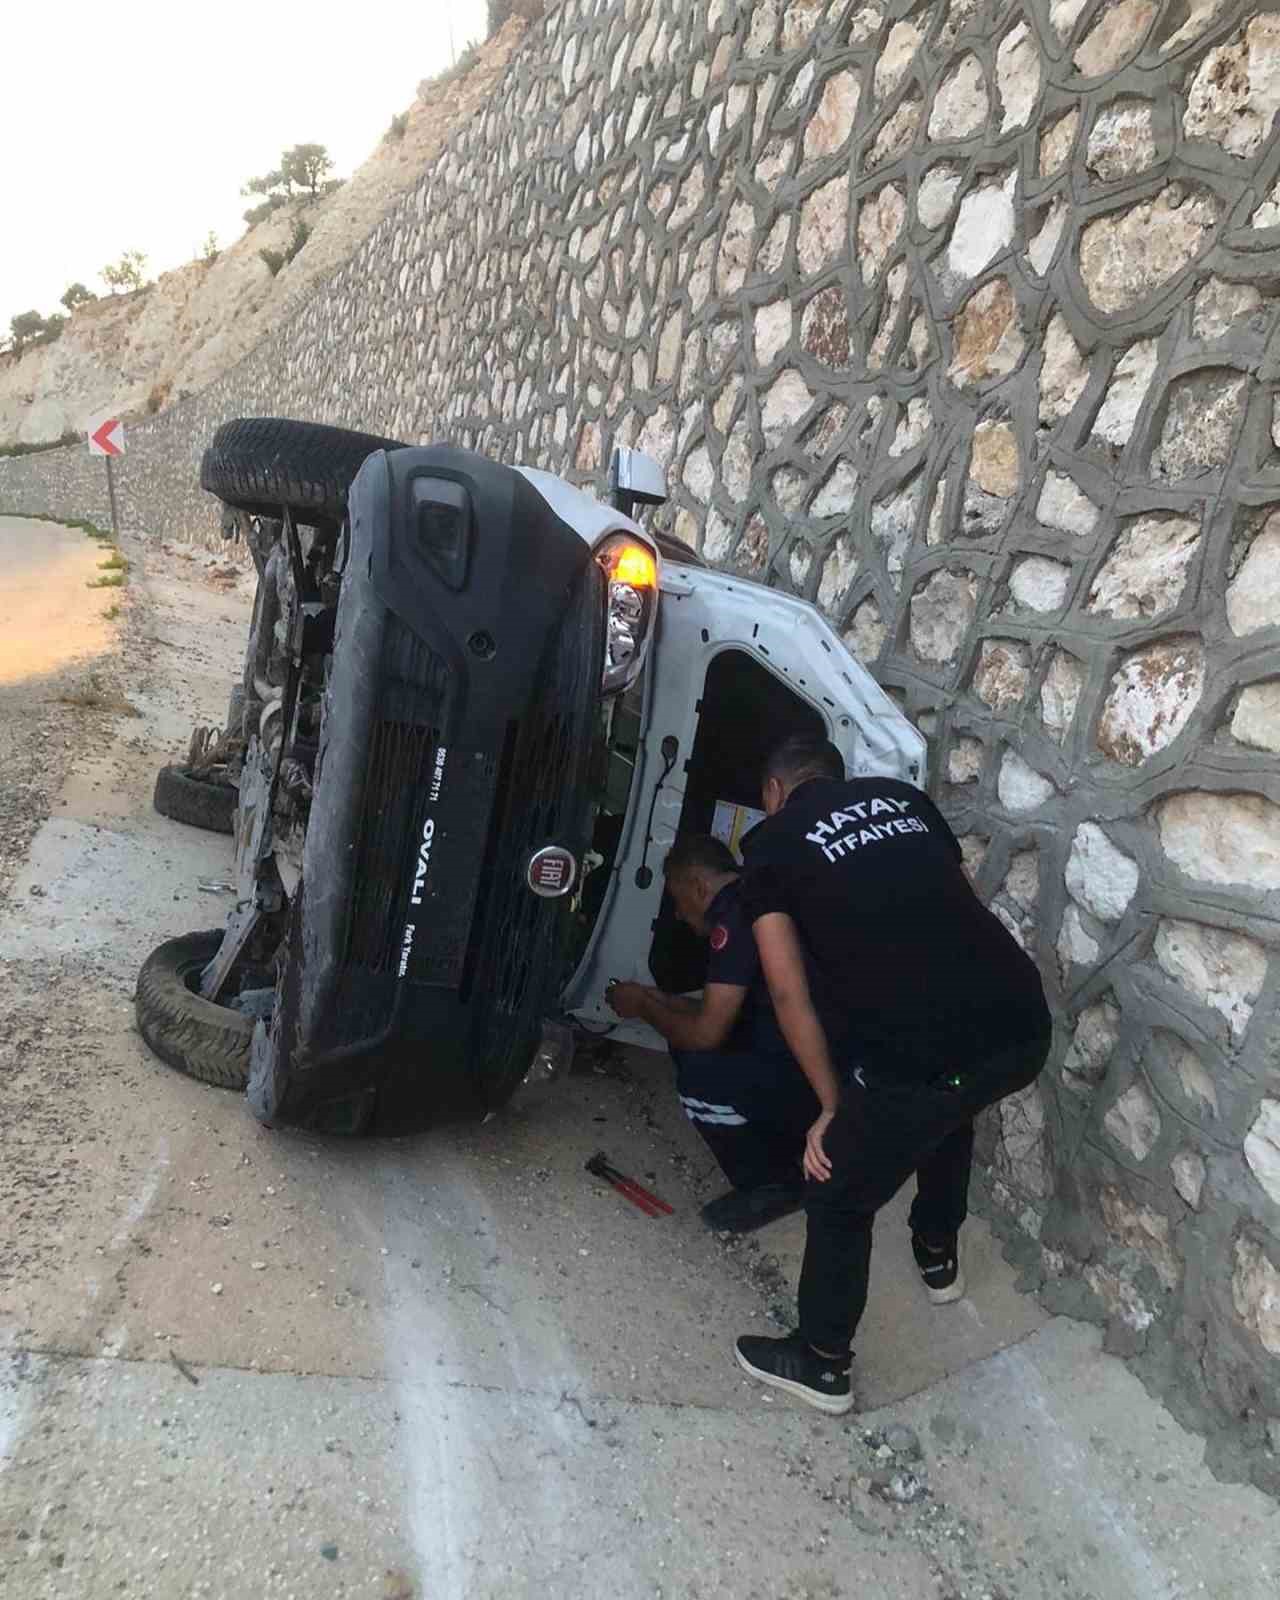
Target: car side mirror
635	479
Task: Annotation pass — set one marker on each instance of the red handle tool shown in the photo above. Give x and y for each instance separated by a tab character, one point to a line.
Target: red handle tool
639	1196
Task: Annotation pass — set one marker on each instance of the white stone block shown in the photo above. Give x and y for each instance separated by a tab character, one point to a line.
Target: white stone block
1224	970
1222	838
1101	877
1020	787
1134	1122
1262	1148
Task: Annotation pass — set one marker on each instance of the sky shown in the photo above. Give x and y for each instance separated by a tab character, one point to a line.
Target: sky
134	127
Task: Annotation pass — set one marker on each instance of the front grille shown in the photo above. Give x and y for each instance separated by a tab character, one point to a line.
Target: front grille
543	800
413	689
400	757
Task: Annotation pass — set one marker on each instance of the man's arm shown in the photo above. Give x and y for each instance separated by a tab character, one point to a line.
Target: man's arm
783	963
686	1024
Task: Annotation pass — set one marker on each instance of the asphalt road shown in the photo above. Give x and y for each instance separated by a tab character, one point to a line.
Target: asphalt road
244	1364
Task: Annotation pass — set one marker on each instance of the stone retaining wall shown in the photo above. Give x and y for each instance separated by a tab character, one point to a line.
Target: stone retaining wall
960	319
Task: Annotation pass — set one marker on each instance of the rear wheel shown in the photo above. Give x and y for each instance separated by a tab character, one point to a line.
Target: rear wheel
203	1040
197	800
259	464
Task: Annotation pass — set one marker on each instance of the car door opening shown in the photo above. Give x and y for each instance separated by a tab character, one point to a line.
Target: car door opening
745	712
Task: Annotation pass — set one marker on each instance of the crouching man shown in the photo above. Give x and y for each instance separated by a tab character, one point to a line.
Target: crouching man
736	1078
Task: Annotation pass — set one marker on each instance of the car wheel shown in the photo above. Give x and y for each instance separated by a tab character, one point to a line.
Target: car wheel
197	800
259	464
205	1041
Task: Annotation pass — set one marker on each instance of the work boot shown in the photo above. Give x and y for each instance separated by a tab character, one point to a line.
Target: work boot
793	1365
745	1210
939	1264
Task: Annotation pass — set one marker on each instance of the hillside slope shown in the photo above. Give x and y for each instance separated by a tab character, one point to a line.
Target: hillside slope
136	353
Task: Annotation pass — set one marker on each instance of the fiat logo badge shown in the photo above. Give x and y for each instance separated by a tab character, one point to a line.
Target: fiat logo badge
551	872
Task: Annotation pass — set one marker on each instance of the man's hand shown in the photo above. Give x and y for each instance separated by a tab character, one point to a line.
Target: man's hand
782	959
626	999
817	1163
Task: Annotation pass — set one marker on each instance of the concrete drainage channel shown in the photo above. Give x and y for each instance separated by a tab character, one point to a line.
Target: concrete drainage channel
235	1363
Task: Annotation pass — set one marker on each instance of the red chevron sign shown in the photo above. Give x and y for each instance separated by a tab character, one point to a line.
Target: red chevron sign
106	437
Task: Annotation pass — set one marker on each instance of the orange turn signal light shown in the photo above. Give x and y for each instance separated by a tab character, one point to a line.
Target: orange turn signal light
633	564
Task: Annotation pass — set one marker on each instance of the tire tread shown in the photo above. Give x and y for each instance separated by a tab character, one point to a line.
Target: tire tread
258	464
204	1041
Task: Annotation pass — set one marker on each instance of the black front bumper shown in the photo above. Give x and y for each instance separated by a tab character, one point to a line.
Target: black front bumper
392	1012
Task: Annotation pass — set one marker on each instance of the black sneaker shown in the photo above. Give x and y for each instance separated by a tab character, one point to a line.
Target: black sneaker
939	1268
745	1210
794	1365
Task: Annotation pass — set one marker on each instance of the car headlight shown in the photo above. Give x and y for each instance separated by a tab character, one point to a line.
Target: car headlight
632	570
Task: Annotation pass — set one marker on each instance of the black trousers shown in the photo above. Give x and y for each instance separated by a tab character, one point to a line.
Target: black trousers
881	1134
752	1111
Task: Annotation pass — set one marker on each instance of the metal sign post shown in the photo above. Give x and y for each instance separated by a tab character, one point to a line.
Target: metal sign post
106	439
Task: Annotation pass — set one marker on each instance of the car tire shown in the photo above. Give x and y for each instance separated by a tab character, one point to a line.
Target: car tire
205	1041
198	801
259	464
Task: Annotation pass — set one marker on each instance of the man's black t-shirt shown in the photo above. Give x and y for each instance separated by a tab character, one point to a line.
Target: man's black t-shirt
734	959
912	975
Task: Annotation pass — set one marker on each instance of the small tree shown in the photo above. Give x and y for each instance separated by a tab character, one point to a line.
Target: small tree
209	251
277	184
127	273
24	329
77	295
52	328
300	175
307	166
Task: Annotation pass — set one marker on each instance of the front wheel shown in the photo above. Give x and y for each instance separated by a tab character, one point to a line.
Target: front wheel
205	1041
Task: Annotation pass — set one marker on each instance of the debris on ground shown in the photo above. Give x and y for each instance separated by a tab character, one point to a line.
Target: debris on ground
899	1439
896	1485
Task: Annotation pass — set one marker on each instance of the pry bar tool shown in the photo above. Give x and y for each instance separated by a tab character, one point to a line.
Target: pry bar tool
639	1196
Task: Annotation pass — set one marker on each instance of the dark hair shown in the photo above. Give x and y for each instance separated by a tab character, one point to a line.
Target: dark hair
699	852
804	756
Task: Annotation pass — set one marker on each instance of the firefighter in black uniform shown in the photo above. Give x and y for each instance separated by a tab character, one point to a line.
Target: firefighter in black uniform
908	1006
737	1081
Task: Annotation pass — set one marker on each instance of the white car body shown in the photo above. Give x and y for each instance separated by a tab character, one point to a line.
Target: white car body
700	614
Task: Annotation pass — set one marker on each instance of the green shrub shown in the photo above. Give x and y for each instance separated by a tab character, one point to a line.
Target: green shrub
127	273
399	127
275	259
256	214
35	449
